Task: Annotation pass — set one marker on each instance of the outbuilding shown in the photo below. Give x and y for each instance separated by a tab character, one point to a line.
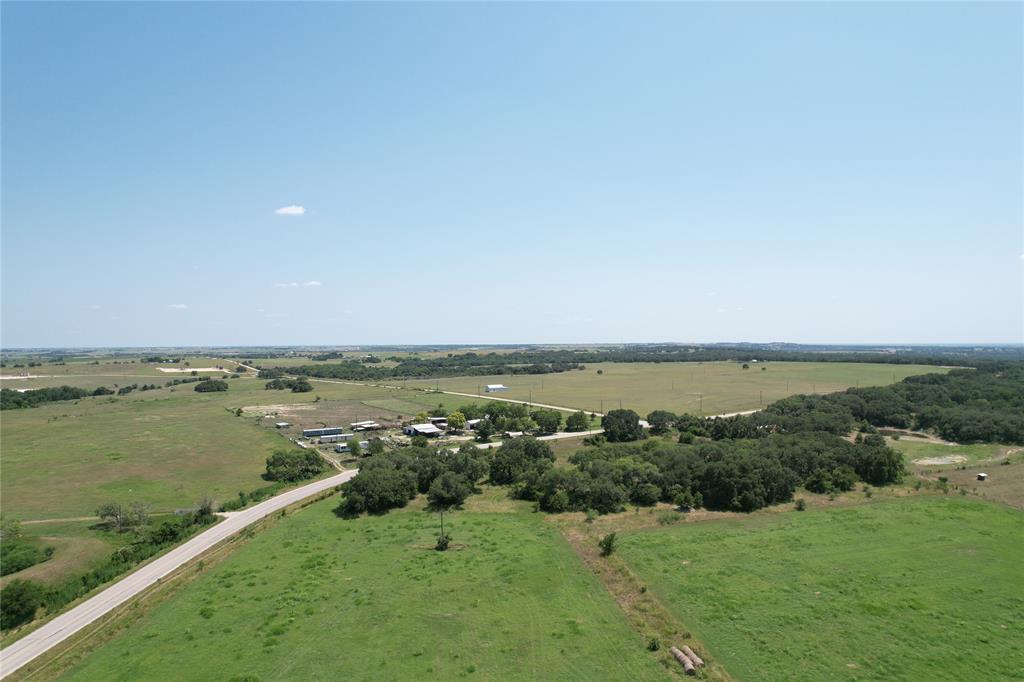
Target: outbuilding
282	425
428	430
982	477
495	388
337	438
319	433
471	423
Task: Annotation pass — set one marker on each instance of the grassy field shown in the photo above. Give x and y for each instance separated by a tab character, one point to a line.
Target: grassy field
914	450
926	588
316	597
714	387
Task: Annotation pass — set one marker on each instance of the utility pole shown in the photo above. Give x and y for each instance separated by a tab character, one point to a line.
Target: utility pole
761	399
620	403
602	405
442	523
701	404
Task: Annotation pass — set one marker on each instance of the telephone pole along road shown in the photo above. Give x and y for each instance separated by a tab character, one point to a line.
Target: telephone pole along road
62	627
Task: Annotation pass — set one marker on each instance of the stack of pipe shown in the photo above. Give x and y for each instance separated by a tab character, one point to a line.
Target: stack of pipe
685	660
697	660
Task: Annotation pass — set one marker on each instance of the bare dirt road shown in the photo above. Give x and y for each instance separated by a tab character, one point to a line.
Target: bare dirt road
67	624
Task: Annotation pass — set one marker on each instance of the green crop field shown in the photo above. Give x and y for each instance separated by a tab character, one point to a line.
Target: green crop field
715	387
927	588
317	597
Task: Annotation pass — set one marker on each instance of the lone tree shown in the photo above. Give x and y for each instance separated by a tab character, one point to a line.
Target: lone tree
548	421
661	420
621	426
577	421
448	490
456	421
122	518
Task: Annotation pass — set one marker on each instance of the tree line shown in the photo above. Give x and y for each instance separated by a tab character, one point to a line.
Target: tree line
545	361
985	404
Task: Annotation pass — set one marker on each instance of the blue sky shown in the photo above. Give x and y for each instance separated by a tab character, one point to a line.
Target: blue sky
488	173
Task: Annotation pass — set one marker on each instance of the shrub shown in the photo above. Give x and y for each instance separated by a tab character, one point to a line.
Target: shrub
607	544
19	602
653	644
17	555
668	518
443	540
800	504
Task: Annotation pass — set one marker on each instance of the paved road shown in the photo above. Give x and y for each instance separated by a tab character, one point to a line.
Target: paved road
67	624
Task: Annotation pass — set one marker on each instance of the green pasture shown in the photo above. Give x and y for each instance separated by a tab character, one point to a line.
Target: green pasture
167	447
682	387
925	588
317	597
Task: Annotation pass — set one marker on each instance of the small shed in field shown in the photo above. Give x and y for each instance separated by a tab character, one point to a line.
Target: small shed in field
495	388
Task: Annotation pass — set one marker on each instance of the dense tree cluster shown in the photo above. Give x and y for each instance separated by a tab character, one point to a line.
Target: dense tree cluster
499	417
966	406
543	361
294	465
12	400
737	475
300	385
389	480
211	385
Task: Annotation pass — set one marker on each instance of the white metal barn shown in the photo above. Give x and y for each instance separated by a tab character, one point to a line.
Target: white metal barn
495	388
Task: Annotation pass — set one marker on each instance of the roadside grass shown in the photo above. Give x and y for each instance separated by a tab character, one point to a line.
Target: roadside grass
317	597
725	386
895	589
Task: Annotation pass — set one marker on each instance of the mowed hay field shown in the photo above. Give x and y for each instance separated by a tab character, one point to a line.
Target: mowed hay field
927	588
318	597
678	386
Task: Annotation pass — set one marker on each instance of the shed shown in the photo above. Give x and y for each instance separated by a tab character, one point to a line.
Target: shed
982	477
495	388
471	423
441	422
336	438
326	431
282	425
428	430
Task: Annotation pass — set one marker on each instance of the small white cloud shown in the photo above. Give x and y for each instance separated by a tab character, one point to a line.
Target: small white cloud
291	210
178	306
311	283
286	285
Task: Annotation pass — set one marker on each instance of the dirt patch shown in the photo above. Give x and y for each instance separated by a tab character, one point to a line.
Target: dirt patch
936	461
186	370
281	410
